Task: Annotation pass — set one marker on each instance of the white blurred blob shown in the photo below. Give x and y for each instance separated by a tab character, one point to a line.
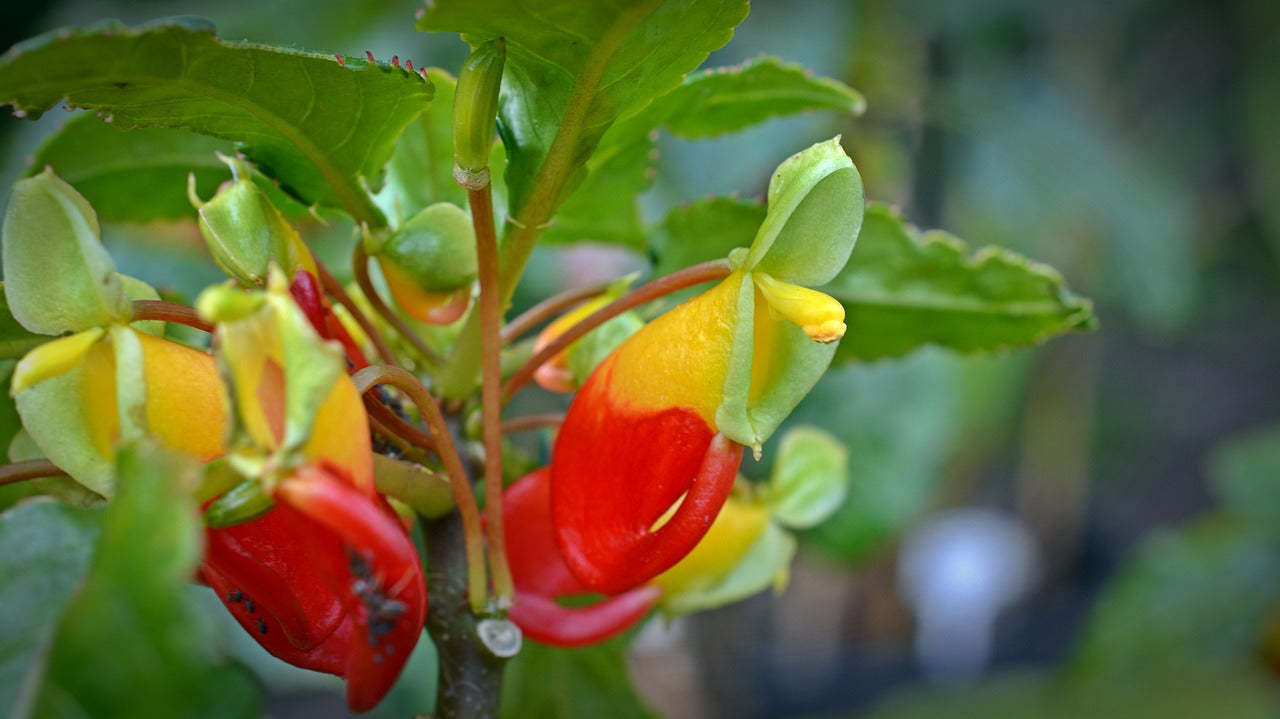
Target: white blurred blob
958	570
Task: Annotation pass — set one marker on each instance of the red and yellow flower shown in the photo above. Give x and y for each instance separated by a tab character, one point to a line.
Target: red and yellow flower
650	446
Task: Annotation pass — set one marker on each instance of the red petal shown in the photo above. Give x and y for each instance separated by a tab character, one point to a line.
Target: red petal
377	575
616	470
328	656
264	560
541	575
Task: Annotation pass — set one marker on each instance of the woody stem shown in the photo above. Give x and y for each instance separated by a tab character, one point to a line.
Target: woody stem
481	202
661	287
366	379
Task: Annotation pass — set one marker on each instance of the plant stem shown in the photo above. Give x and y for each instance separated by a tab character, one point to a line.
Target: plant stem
689	276
532	421
470	676
30	469
360	267
481	202
445	448
335	288
169	312
548	308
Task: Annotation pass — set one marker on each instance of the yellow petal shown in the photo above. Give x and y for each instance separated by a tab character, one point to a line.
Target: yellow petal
53	358
733	533
819	315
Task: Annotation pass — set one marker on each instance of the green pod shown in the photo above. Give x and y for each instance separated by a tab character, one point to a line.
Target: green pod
51	232
244	232
241	503
430	262
475	112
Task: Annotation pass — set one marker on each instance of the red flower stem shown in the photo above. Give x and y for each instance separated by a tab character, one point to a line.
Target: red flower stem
30	469
661	287
532	421
481	202
334	287
360	267
548	308
169	312
366	379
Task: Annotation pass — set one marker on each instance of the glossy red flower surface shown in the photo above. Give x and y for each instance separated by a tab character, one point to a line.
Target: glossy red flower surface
541	576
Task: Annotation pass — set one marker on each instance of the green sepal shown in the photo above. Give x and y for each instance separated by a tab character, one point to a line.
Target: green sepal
772	366
244	502
50	231
256	326
436	248
815	211
808	480
243	230
766	564
53	414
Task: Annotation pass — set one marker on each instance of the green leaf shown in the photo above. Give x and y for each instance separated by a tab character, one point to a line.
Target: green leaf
903	289
1243	475
136	175
704	230
728	99
45	548
573	69
130	644
714	102
319	128
420	171
1202	597
551	683
808	480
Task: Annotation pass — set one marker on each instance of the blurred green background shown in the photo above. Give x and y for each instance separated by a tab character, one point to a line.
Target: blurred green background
1128	542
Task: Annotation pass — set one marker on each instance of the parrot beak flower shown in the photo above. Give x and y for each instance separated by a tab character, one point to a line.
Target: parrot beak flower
651	443
327	578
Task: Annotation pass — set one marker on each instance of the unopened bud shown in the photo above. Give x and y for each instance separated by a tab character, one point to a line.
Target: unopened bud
430	263
475	113
244	231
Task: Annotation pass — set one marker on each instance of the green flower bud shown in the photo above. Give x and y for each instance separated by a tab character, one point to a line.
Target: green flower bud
243	230
475	113
58	277
241	503
430	263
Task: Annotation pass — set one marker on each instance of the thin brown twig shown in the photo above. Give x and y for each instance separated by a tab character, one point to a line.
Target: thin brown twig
481	202
169	312
335	288
532	421
360	268
549	307
400	378
689	276
30	469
